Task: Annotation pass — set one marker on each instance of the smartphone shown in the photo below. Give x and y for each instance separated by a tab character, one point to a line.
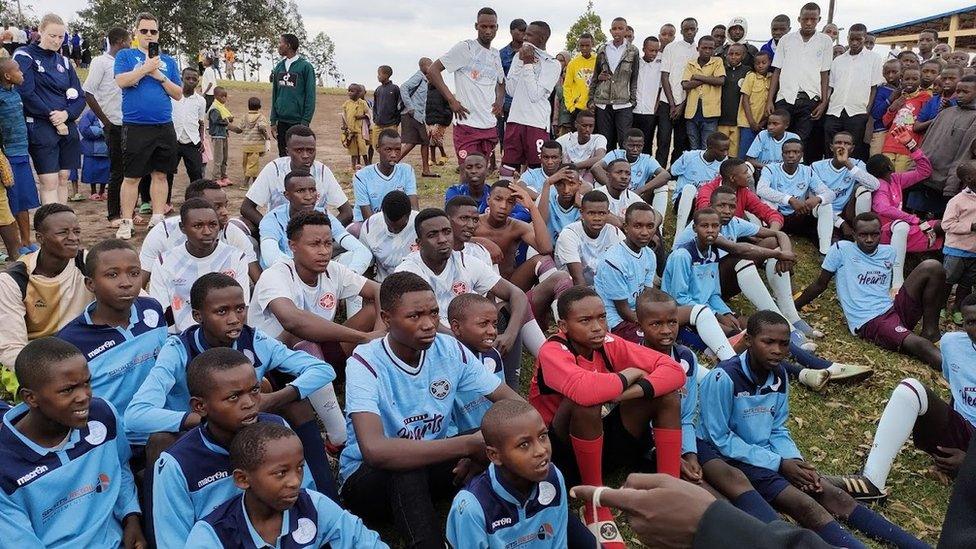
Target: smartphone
154	49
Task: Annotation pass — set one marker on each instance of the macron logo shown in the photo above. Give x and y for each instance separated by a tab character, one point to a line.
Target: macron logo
212	478
103	347
501	522
32	475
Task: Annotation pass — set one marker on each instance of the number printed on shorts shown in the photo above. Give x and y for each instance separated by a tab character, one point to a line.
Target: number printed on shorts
538	145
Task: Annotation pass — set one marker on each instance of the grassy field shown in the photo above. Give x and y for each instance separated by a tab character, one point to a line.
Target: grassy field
834	428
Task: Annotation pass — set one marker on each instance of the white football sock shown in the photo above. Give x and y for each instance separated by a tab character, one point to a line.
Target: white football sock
825	226
752	286
686	200
899	241
532	336
862	200
326	405
782	286
908	401
704	321
660	200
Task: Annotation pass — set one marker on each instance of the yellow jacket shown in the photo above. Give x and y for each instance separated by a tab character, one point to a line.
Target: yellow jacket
576	87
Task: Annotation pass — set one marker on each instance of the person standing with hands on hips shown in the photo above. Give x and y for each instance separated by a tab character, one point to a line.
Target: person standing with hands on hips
149	80
52	99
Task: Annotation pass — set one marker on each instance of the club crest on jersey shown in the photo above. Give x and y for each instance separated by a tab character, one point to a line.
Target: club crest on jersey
103	484
609	531
96	433
459	287
150	318
888	264
440	389
230	272
328	300
545	531
305	532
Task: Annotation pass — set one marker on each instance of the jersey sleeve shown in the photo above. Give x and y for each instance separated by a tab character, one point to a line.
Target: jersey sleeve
466	523
474	377
679	166
483	276
349	282
359	257
360	191
456	57
152	247
362	388
202	536
160	285
333	195
779	437
834	259
146	413
128	502
410	183
568	247
260	191
171	503
310	373
562	374
272	285
716	414
124	62
756	148
13	328
15	524
340	529
239	240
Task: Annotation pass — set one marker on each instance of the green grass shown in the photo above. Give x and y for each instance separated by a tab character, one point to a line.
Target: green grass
834	428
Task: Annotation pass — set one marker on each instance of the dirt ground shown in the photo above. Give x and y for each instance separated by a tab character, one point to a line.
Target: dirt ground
326	125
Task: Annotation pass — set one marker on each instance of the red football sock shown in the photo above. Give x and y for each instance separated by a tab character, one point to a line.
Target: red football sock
668	444
589	459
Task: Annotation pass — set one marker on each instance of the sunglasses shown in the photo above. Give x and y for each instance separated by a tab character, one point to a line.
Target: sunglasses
153	32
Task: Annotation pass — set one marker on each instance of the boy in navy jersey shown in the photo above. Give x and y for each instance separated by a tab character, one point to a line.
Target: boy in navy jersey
193	476
400	396
522	495
583	368
745	406
120	333
274	510
657	314
64	468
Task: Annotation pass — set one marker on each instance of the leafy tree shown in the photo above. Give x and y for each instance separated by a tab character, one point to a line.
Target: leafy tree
320	52
589	22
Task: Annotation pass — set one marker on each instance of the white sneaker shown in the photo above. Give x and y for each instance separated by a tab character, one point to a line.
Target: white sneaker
815	380
125	230
156	219
849	372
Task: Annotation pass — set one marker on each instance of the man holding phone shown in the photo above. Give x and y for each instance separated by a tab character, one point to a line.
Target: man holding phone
148	80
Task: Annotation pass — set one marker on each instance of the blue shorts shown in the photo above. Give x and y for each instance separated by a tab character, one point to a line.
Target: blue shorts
51	152
767	482
23	195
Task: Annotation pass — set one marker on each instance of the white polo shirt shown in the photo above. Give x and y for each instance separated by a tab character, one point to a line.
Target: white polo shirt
530	86
187	114
673	62
800	63
648	85
851	77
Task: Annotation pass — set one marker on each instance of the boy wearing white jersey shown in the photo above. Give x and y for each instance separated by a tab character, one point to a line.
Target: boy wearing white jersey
581	245
390	236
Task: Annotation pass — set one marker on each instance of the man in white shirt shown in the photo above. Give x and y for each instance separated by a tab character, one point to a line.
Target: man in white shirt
613	88
531	78
582	244
648	90
390	236
479	81
583	148
801	75
268	189
672	104
104	97
854	79
189	113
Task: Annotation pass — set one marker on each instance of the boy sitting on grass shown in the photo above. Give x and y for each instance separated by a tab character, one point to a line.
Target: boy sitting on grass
267	463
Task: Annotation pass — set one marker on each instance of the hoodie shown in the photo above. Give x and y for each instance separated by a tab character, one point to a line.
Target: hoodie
960	214
751	50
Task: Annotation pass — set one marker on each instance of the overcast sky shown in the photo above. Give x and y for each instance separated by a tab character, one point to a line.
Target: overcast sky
368	33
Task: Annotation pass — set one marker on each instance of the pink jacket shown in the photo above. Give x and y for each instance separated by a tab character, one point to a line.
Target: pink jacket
887	200
960	214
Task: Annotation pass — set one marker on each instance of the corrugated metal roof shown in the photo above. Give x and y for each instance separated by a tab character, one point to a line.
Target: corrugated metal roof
925	19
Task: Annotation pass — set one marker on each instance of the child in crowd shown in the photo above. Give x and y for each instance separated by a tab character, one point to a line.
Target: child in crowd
390	237
194	475
849	180
760	445
220	121
754	93
582	148
904	231
400	395
948	80
355	127
256	139
474	322
735	73
903	113
371	183
518	447
702	79
939	428
618	191
559	201
582	244
386	106
581	369
928	73
22	196
95	165
767	148
647	178
694	169
959	250
887	92
274	509
65	450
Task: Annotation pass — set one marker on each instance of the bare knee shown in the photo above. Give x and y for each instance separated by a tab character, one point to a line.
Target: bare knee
836	501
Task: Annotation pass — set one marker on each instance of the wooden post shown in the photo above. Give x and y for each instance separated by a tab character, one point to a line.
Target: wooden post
830	12
953	29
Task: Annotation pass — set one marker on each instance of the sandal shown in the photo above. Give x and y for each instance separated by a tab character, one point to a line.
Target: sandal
77	197
139	220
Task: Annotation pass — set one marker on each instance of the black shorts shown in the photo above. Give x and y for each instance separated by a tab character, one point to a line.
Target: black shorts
413	132
620	450
148	148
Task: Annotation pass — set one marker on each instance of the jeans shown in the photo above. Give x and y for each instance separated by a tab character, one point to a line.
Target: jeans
614	124
646	123
409	495
698	129
665	127
746	137
113	138
856	125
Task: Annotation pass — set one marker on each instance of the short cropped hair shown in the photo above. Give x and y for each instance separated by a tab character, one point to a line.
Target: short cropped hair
395	205
500	414
635	133
464	303
571	296
866	217
397	284
595	197
704	211
34	362
47	211
198	203
429	213
196	188
456	203
91	260
199	372
728	165
299	130
858	27
552	144
722	189
298	172
207	283
388	133
291	40
298	223
250	444
764	318
638	207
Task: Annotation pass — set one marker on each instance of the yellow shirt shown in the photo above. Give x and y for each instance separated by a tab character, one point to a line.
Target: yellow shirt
350	110
756	86
711	96
576	86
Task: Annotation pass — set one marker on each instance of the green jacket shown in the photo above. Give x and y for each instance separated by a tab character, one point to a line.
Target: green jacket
622	86
293	92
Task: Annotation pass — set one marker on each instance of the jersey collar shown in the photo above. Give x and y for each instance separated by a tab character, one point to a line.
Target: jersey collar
412	370
501	488
288	525
133	317
25	447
